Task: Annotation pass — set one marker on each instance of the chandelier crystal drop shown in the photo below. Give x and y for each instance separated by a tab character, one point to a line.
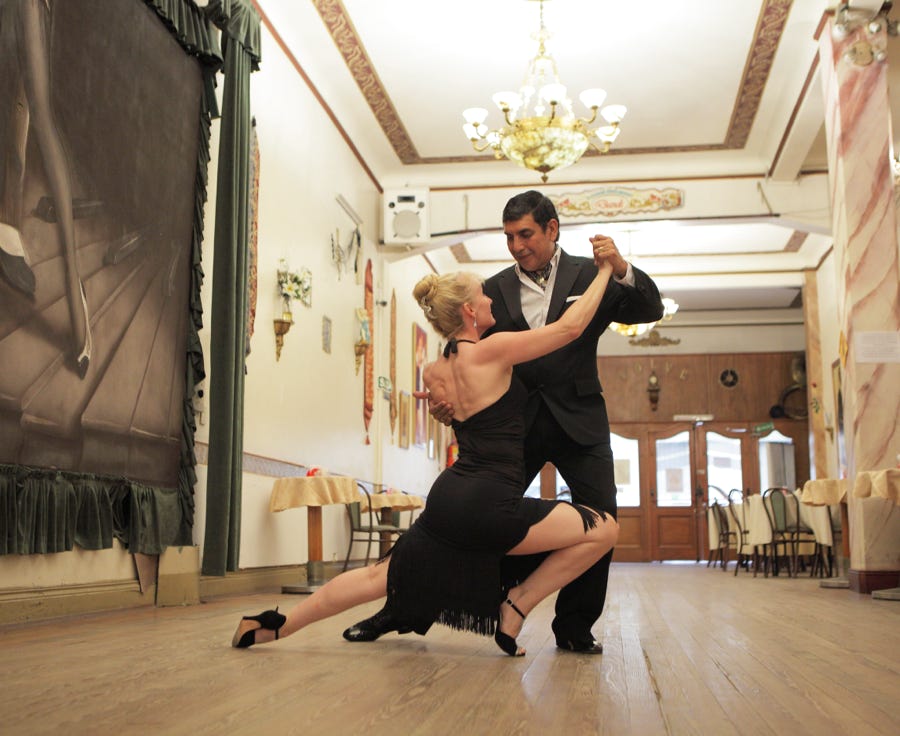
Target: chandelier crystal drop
542	131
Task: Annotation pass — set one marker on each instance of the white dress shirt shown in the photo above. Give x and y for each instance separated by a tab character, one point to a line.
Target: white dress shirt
536	301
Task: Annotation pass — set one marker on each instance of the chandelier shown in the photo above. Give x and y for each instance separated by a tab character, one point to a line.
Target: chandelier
542	132
669	307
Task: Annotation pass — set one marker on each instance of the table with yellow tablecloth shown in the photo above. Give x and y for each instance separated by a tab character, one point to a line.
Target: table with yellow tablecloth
883	483
313	492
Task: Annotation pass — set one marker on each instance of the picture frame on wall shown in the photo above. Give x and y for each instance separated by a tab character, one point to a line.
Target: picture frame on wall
404	419
840	445
420	409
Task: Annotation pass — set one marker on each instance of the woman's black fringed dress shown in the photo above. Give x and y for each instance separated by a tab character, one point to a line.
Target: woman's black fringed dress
447	567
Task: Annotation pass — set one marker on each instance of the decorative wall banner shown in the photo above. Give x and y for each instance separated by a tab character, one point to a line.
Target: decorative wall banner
369	380
393	359
612	201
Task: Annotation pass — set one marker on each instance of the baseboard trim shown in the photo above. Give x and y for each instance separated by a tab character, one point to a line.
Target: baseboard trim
21	605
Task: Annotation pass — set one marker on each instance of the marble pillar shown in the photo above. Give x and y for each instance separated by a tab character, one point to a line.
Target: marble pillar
864	227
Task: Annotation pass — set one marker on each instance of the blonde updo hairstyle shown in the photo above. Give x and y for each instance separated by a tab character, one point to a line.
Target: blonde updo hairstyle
441	299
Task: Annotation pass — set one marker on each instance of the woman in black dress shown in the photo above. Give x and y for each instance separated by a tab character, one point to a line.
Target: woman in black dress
451	566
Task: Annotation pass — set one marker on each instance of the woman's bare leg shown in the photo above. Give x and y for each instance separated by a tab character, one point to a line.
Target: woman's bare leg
347	590
35	59
574	552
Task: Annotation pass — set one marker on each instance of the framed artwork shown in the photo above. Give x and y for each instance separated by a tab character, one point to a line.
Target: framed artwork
404	419
839	439
420	353
326	334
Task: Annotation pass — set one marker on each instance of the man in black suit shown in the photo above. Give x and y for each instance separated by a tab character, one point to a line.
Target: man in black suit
565	417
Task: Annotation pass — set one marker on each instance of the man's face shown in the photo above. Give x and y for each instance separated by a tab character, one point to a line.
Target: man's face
531	246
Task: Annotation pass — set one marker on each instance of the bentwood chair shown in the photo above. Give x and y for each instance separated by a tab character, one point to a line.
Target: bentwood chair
726	535
775	503
802	534
745	552
365	526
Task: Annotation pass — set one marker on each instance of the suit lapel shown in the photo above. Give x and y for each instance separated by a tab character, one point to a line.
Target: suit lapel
566	273
508	282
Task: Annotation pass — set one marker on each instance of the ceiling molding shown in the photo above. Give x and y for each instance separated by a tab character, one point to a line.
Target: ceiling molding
769	29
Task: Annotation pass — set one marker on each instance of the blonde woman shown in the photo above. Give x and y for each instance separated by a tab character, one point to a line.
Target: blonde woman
451	566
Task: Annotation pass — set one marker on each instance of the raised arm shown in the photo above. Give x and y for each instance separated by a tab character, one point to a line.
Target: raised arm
512	348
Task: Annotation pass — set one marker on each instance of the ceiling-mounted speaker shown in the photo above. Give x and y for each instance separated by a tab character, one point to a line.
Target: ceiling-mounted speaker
405	217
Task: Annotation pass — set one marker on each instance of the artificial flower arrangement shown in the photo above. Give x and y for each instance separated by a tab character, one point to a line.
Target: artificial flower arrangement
294	285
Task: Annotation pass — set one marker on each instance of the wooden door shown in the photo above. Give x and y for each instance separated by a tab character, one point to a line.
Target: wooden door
673	477
629	446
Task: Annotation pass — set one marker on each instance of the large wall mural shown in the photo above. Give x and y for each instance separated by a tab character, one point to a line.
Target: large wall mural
98	160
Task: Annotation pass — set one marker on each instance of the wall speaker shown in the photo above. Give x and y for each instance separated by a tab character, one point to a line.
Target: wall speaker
405	218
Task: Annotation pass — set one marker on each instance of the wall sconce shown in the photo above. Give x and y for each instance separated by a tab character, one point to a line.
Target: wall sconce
281	329
653	389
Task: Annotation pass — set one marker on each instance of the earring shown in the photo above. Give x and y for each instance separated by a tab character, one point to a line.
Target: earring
474	323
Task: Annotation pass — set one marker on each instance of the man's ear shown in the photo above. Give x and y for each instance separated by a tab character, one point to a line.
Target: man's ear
553	229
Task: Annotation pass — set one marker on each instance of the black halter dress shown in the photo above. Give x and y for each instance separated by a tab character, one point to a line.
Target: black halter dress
448	566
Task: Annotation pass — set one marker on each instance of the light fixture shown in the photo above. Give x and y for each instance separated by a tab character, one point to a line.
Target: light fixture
542	132
670	306
870	45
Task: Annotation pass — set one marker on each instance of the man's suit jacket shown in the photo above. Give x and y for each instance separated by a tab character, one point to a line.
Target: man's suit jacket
566	380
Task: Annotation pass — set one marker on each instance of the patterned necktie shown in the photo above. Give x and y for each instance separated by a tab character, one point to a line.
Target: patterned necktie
541	276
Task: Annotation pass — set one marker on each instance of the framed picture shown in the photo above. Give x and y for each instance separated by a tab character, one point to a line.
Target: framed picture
326	334
404	419
420	357
839	438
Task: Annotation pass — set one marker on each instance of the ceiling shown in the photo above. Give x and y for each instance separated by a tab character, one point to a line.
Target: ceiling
723	98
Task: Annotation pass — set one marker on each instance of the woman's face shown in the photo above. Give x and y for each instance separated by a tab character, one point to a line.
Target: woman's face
482	306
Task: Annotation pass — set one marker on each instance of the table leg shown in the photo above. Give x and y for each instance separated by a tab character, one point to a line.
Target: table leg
315	567
842	556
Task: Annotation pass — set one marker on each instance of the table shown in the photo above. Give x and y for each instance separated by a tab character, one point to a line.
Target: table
885	484
387	503
313	492
830	492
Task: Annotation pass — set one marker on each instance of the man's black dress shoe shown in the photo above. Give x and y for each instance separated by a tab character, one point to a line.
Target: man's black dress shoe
370	629
590	647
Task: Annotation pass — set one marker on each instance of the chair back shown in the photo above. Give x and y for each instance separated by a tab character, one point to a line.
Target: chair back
353	510
775	503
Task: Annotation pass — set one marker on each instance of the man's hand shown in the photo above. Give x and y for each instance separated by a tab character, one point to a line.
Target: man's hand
605	251
440	410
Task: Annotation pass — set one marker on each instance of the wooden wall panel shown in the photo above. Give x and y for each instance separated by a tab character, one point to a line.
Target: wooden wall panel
689	384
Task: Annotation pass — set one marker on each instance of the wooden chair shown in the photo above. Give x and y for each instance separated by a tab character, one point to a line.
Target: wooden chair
365	526
775	503
726	535
802	534
746	553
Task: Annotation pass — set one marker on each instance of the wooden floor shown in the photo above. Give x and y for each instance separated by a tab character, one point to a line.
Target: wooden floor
688	650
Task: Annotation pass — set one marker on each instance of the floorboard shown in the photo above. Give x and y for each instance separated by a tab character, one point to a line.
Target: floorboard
688	650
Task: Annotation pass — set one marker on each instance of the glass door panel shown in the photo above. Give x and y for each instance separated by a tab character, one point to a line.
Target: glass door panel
673	471
776	461
723	462
626	454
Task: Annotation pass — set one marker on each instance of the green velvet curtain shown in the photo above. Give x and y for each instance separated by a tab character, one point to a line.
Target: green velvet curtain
44	510
240	25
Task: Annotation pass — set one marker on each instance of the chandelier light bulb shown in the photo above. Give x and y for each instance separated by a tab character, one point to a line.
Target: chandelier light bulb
613	114
554	93
508	100
608	133
592	98
475	115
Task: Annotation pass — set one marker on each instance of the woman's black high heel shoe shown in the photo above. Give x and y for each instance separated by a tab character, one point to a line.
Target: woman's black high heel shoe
271	620
505	641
